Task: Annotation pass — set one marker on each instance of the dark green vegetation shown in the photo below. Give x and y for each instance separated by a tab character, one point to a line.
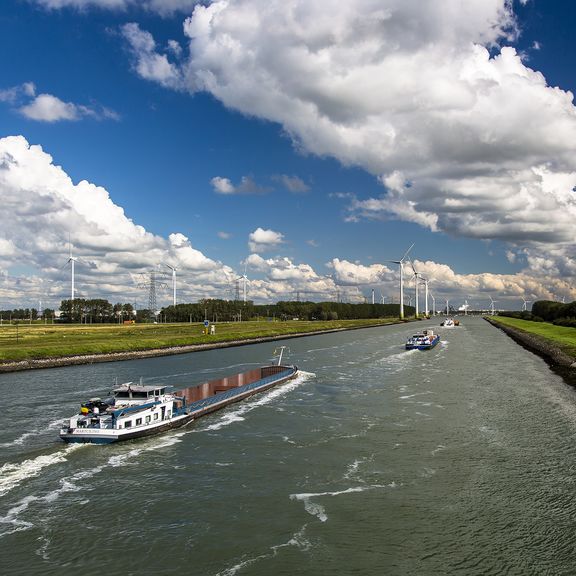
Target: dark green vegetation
562	337
218	310
548	311
36	341
99	311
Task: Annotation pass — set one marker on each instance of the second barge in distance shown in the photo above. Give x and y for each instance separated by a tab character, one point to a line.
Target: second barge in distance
136	410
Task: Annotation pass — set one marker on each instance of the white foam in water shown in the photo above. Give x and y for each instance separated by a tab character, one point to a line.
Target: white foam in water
66	485
248	405
353	468
298	539
55	424
416	394
11	519
12	475
438	448
319	511
152	446
18	441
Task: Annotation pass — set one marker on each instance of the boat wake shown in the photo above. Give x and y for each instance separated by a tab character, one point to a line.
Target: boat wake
248	405
21	440
12	475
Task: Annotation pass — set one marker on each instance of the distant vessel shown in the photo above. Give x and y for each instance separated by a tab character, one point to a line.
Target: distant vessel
136	410
423	341
448	323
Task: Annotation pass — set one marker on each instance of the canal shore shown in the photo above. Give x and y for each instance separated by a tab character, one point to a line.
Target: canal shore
41	363
562	363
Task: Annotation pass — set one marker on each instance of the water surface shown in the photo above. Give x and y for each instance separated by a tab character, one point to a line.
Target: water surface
458	460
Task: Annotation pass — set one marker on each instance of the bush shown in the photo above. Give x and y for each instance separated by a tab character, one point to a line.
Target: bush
568	322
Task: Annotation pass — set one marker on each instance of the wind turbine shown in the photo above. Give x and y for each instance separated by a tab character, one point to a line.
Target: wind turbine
492	302
433	304
425	282
416	274
525	304
372	295
173	281
381	298
401	265
71	261
245	279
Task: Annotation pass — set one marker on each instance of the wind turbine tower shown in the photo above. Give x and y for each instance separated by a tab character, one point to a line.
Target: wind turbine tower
71	260
425	282
416	275
401	266
372	295
173	282
245	280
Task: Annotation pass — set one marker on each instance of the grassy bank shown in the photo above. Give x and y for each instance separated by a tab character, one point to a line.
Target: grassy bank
32	342
558	336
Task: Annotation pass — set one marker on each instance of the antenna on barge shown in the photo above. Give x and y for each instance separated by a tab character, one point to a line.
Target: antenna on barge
280	351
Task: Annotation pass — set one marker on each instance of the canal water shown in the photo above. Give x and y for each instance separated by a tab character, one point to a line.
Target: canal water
374	461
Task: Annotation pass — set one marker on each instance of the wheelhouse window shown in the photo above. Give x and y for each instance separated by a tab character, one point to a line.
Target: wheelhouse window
138	421
128	424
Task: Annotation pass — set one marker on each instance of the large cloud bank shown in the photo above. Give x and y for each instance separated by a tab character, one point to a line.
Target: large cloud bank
43	209
428	96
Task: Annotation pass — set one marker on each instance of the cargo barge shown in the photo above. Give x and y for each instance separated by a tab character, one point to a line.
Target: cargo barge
135	410
423	341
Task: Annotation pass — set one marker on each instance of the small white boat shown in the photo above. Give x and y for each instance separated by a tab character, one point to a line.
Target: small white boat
448	323
135	410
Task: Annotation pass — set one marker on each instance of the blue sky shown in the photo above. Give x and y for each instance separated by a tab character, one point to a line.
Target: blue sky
335	135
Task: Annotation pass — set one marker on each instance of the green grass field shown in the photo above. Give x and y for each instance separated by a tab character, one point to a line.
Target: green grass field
559	336
36	341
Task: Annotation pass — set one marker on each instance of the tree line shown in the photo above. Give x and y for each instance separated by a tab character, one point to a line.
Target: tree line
548	311
99	311
216	310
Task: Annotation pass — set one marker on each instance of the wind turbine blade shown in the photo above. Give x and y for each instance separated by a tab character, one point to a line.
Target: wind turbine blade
406	253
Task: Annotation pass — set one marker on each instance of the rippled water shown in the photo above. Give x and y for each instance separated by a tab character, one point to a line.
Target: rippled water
458	460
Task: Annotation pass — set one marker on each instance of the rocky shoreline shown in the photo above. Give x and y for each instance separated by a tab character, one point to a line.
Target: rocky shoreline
563	364
136	354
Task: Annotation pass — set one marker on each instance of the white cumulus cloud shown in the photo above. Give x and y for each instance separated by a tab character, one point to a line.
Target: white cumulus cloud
42	209
262	240
430	97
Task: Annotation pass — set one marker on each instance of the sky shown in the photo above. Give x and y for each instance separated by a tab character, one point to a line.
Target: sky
305	144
